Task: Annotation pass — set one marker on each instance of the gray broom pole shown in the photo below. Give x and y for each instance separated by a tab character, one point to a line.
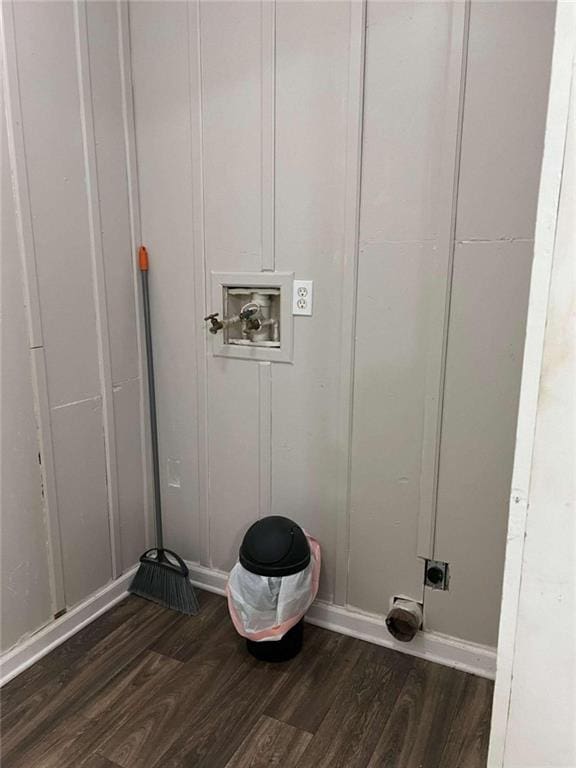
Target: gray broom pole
143	260
163	577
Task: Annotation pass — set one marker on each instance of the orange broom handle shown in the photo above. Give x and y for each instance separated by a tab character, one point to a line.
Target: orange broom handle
143	258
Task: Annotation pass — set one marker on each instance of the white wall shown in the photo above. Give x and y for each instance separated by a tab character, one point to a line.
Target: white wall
248	123
535	696
26	602
388	151
71	384
508	69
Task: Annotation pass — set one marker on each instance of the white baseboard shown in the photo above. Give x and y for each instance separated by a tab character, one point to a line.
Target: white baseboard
209	579
442	649
33	648
477	659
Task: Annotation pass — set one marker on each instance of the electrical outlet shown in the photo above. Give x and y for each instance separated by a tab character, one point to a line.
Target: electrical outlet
302	297
436	574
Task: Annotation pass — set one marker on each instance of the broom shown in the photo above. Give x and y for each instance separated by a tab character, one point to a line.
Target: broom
162	575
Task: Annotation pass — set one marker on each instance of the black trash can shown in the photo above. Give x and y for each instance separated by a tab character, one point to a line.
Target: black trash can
276	546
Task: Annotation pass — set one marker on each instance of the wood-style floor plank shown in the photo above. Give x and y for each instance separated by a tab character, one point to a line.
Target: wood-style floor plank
320	670
80	733
184	639
272	743
63	657
144	687
48	750
415	732
133	734
467	742
97	761
212	727
193	702
352	726
73	686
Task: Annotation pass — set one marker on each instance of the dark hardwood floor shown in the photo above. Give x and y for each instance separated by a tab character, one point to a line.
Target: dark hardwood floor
145	687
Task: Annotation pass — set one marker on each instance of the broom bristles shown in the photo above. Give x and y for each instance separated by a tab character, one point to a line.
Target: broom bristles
165	586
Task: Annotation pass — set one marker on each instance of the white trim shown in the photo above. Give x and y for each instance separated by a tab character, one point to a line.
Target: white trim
441	649
208	579
476	659
36	646
545	236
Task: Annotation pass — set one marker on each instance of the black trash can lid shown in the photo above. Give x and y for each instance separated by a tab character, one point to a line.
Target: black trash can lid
275	546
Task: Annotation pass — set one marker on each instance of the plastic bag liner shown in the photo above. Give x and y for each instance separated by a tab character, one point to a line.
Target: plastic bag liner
266	607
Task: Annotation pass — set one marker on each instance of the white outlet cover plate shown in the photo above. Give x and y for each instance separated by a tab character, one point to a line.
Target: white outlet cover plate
302	298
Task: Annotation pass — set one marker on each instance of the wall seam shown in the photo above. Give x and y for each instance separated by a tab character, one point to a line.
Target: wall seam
268	133
200	277
264	439
436	365
130	149
351	244
268	236
98	278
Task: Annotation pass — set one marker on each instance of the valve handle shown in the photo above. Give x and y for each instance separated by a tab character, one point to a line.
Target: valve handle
249	310
216	325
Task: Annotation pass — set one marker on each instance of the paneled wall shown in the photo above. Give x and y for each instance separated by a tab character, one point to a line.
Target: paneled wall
388	151
24	550
409	141
391	153
508	71
73	505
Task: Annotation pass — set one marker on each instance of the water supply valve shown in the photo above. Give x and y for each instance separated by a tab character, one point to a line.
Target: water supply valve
216	325
251	316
